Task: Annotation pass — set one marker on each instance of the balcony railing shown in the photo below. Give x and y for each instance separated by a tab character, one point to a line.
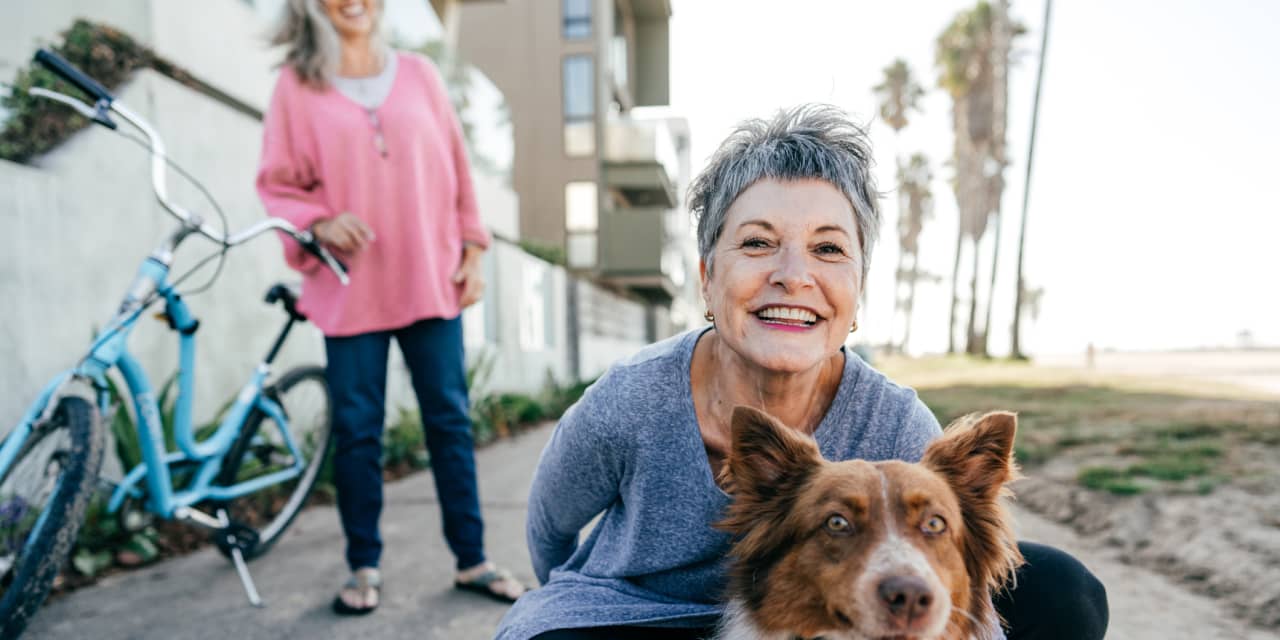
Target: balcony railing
640	161
637	251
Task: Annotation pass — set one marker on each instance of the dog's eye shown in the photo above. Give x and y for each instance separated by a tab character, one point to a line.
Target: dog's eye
838	524
934	525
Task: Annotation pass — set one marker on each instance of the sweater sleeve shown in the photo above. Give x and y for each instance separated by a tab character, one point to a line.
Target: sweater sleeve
468	212
288	177
918	430
578	476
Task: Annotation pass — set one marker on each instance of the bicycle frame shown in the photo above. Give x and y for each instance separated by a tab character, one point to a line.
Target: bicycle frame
110	350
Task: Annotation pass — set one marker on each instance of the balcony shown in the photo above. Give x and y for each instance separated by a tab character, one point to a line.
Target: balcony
640	161
637	252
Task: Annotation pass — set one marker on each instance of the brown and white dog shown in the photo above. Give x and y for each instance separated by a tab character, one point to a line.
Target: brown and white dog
858	550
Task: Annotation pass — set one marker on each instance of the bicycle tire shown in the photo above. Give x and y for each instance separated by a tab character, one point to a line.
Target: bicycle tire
245	510
32	572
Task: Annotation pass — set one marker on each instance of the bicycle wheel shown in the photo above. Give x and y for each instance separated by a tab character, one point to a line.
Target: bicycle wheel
43	496
303	394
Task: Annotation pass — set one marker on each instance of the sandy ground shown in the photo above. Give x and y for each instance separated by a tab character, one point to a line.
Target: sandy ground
1258	370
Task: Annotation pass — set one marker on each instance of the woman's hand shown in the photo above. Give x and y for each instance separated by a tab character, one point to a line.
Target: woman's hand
468	277
344	232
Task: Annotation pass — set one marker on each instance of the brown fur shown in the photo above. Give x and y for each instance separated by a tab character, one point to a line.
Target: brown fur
792	574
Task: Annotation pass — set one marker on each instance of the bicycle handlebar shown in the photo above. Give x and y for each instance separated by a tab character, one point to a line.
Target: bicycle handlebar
60	66
159	186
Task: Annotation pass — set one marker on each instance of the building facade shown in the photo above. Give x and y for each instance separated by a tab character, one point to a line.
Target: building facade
600	164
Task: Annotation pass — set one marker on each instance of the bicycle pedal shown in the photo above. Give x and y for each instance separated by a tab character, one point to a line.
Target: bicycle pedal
236	536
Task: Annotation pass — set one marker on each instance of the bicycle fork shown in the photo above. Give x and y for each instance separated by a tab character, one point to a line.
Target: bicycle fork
232	538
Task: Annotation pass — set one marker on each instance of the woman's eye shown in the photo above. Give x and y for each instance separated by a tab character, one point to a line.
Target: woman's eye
934	525
831	249
754	243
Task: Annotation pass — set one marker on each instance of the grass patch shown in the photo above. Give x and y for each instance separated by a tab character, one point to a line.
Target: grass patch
1114	481
1121	440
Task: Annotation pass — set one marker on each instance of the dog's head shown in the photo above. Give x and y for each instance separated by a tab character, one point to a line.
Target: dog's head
854	549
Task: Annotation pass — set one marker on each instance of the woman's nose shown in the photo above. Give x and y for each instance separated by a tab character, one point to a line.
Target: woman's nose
792	271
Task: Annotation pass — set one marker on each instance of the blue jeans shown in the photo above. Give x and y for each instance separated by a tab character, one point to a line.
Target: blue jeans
357	375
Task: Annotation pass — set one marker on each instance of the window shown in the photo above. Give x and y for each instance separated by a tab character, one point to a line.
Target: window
579	106
577	19
580	206
581	221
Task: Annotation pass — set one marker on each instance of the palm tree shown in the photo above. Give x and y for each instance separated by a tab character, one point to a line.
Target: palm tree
972	59
899	94
1015	350
914	180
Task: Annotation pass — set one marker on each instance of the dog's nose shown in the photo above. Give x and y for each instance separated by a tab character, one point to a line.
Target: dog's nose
906	597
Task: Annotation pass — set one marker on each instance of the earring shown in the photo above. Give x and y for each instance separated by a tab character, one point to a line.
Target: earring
711	317
854	327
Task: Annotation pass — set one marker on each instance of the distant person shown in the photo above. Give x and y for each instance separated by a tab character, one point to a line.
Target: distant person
362	147
1089	356
787	218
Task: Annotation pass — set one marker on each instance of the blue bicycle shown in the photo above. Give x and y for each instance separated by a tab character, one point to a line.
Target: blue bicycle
245	481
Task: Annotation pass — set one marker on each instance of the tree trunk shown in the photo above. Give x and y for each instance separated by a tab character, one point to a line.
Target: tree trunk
1016	348
911	297
972	345
955	289
1000	120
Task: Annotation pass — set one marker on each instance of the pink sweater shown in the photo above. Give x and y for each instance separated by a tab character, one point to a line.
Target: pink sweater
320	158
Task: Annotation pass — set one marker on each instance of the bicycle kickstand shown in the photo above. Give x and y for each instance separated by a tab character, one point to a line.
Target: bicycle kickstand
242	568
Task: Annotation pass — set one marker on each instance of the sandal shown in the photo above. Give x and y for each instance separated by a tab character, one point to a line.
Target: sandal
364	581
483	584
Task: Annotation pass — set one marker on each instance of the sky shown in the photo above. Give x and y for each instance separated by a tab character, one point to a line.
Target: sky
1153	212
1154	220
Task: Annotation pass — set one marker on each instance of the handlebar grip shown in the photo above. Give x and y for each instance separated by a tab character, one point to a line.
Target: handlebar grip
309	243
60	66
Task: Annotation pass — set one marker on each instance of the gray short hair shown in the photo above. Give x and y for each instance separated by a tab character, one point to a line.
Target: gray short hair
809	141
311	43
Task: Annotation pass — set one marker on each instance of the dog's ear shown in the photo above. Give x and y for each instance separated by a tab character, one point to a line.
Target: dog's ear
975	453
975	456
764	453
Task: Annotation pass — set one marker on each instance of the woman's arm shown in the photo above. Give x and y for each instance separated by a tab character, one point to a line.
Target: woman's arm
288	182
578	476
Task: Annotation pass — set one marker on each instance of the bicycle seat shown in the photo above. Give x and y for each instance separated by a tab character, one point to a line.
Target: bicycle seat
287	296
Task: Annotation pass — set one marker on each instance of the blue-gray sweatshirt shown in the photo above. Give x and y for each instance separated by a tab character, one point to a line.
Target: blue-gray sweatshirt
631	448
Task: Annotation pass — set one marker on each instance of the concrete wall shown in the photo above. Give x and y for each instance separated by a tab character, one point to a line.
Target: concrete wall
222	41
81	220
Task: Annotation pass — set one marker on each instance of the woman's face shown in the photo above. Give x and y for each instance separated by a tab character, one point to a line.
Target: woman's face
786	273
353	19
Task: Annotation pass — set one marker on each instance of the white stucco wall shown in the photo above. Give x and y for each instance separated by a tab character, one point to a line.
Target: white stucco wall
81	220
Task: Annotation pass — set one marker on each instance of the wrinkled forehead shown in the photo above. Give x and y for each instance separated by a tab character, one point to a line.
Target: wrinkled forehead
894	485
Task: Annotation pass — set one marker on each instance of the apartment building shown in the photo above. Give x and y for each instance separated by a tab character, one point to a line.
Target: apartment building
599	162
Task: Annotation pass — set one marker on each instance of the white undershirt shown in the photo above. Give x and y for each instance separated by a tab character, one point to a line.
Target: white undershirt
369	91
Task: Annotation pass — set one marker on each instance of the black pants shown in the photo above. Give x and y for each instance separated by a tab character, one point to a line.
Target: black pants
1057	598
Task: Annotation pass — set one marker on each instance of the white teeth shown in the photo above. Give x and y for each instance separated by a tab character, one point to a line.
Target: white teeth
353	11
788	313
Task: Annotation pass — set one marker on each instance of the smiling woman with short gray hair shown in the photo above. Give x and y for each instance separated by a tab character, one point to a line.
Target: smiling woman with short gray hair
787	221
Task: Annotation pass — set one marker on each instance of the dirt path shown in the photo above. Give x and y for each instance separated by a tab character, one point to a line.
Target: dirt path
1144	605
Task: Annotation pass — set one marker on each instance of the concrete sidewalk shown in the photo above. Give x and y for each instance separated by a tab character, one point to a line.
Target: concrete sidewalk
199	596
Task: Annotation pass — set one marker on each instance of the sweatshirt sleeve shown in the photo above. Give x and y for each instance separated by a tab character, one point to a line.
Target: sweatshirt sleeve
468	212
578	476
288	177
